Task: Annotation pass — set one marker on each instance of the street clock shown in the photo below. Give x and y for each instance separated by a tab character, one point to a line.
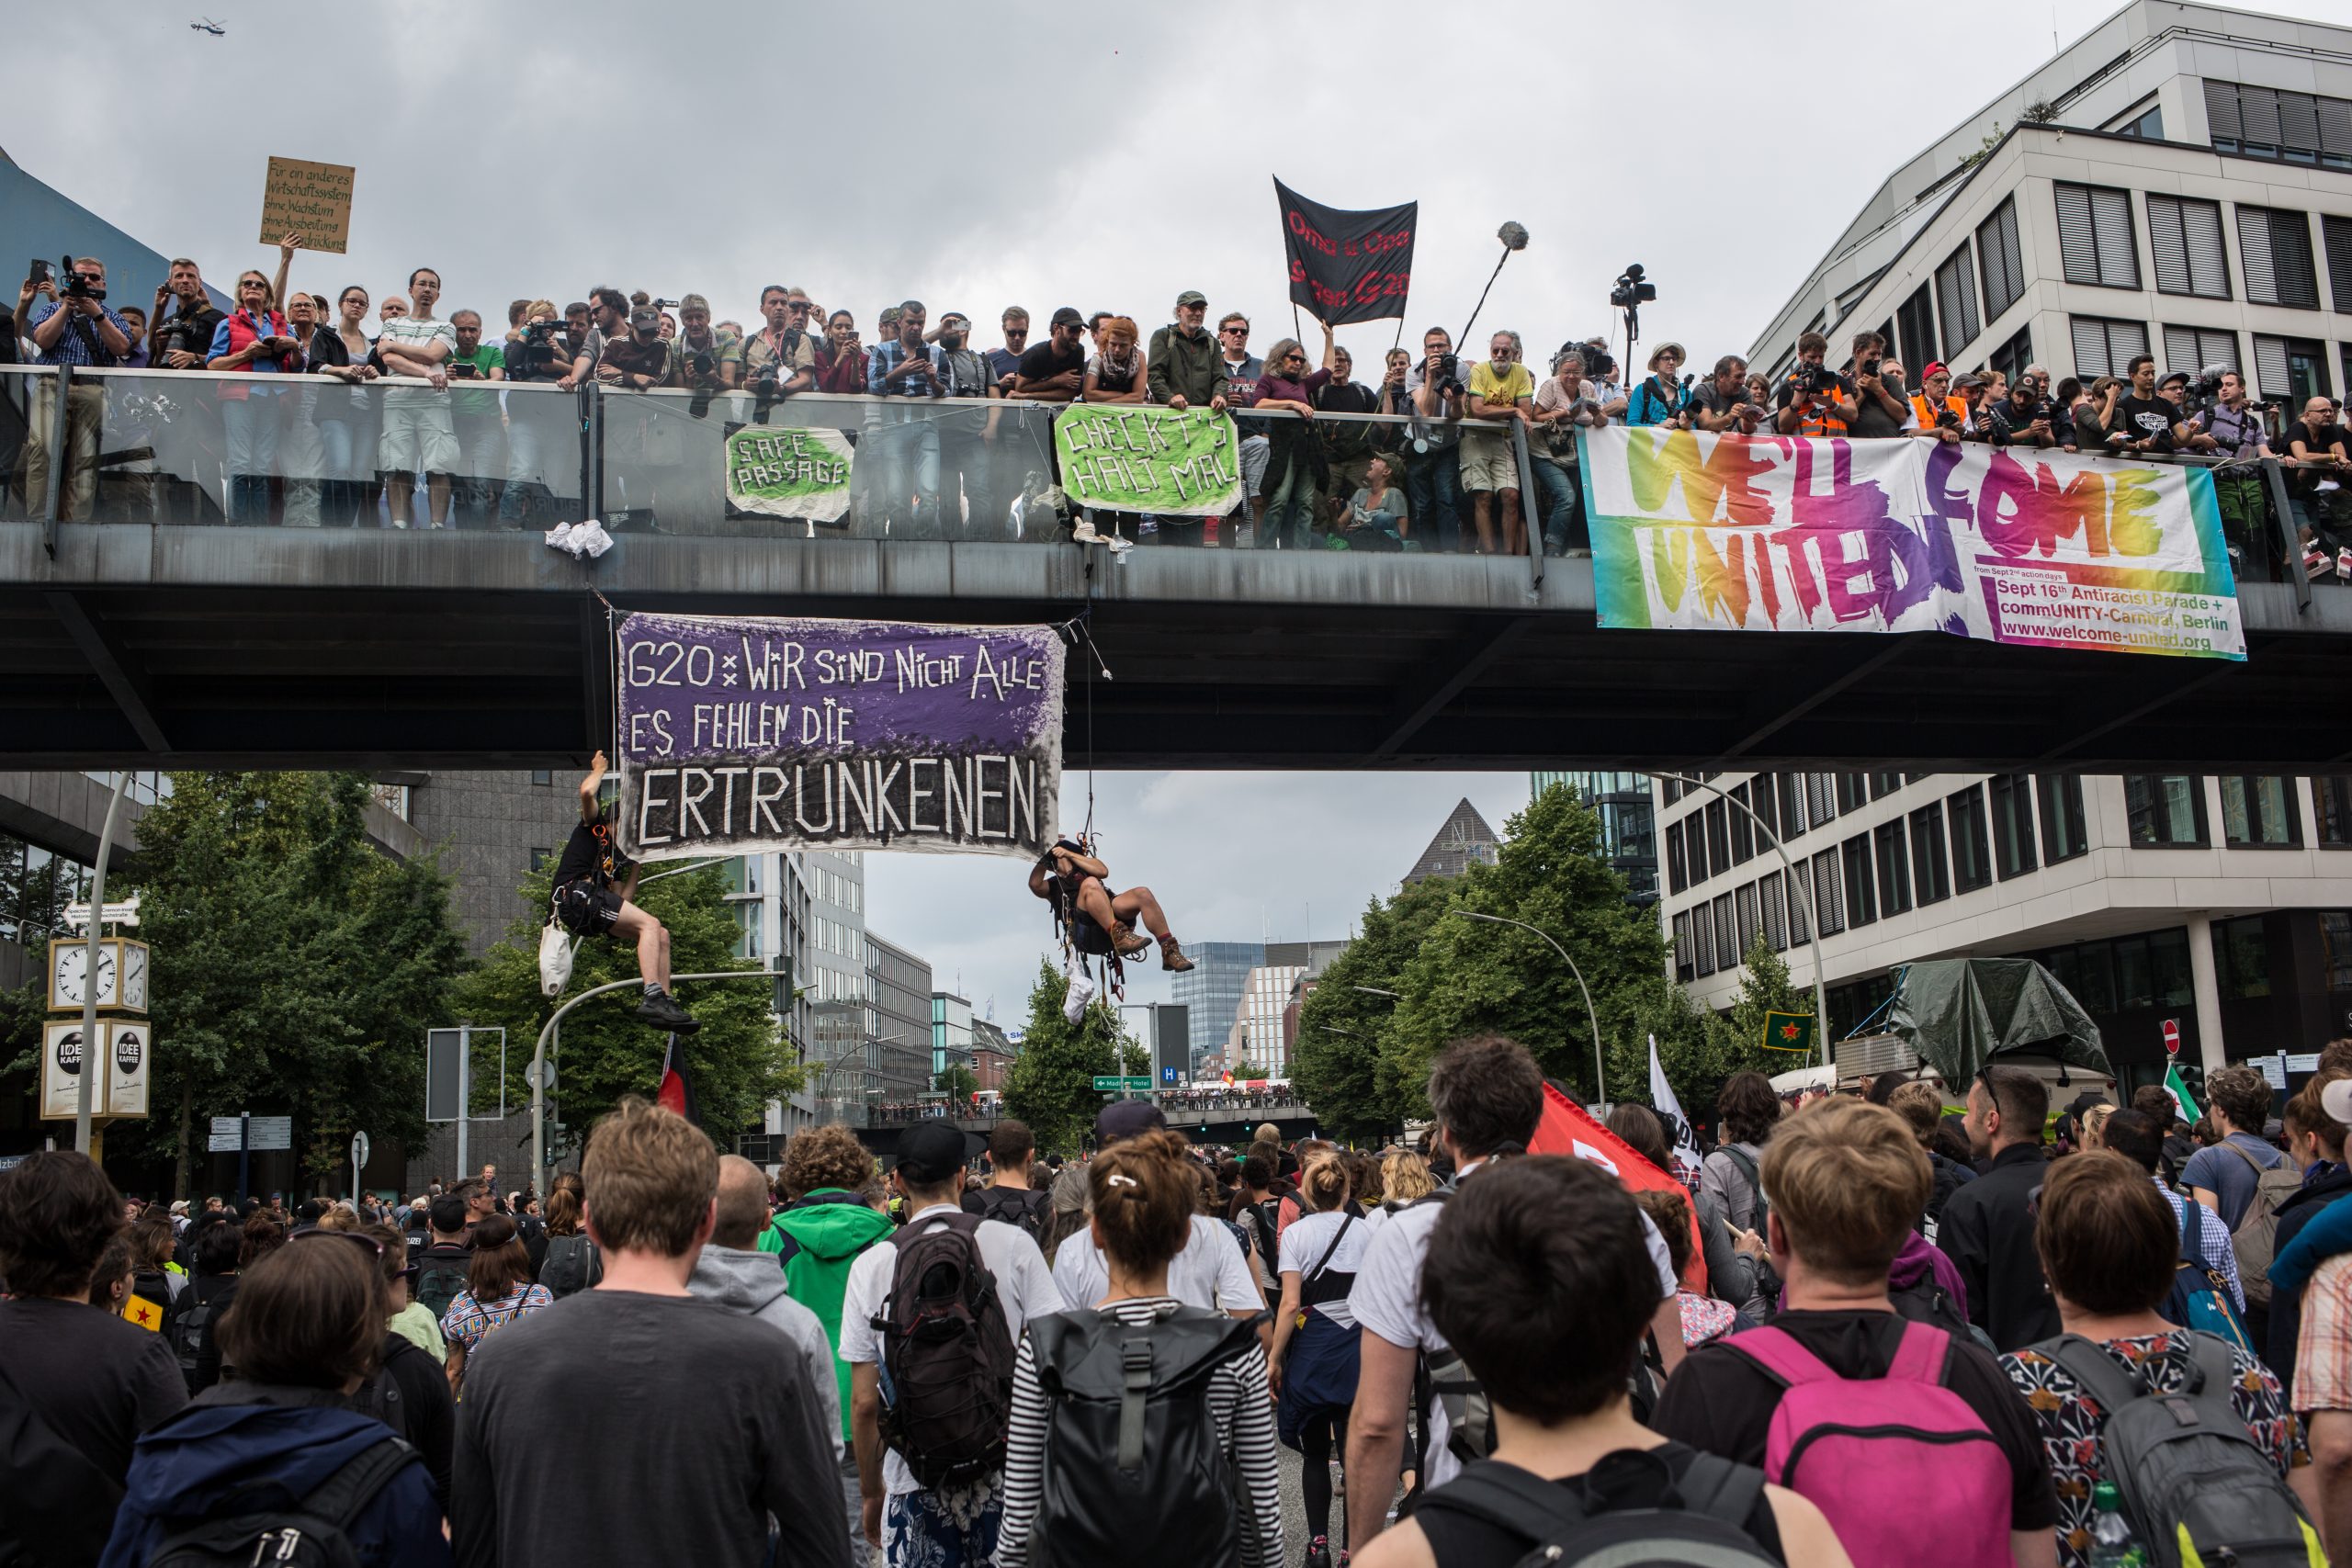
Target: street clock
122	974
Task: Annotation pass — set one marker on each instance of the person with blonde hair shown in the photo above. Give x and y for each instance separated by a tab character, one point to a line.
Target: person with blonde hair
1317	1338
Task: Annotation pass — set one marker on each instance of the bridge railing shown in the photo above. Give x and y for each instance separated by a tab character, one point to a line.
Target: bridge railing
182	448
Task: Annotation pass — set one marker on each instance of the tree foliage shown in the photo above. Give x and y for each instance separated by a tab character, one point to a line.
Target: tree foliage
1051	1083
738	1058
1362	1059
957	1083
295	967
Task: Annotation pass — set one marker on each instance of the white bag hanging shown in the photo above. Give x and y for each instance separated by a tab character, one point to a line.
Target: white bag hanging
555	959
1082	992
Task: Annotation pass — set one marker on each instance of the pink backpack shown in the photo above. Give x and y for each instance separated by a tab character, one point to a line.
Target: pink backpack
1901	1467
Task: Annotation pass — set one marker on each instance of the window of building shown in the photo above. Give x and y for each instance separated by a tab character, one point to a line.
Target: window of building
1702	940
2337	231
1915	328
1718	840
542	775
1893	867
1884	784
1931	865
2063	835
1764	799
2276	247
1956	301
2332	806
2241	958
2185	239
1789	787
1998	254
2267	122
2103	347
2014	355
1853	791
2258	811
1801	902
1743	826
1972	841
1728	948
2193	348
2291	368
2012	803
1677	870
1861	893
1670	790
1828	894
1769	892
1686	967
2335	949
2148	124
1821	803
2095	242
1745	911
539	859
2164	810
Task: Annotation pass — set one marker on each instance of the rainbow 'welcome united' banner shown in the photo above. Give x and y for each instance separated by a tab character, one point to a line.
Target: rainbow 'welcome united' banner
1699	532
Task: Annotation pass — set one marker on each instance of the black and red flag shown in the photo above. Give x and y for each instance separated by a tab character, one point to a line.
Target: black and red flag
677	1091
1348	266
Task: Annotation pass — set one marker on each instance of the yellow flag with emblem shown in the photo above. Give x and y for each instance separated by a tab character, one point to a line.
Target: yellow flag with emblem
143	1313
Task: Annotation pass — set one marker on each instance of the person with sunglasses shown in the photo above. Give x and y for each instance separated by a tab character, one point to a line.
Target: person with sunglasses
1295	471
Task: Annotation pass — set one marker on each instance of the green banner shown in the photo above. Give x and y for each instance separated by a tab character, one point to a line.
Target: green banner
1788	1032
1122	1086
788	472
1138	458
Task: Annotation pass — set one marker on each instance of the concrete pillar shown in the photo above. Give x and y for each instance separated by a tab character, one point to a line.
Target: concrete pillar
2208	992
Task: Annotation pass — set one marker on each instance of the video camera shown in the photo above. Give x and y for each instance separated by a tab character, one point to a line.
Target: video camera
1809	380
1631	292
536	351
71	284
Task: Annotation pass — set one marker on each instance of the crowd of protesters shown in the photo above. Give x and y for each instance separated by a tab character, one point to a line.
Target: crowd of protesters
1479	1355
438	446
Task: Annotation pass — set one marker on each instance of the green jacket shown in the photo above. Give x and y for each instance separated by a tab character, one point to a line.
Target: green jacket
1192	367
819	1236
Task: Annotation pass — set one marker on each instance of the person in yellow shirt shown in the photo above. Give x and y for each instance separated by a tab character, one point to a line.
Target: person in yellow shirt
1501	391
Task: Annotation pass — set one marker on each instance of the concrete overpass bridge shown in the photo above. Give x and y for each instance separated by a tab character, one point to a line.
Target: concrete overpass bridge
159	635
1229	1128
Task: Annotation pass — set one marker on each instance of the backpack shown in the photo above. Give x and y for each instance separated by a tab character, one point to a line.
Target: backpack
60	1506
380	1396
1441	1379
947	1351
2195	1485
438	1280
1763	1205
2200	1296
2257	1230
1849	1444
1266	1228
185	1332
571	1266
1015	1206
1926	1302
308	1535
1132	1452
1700	1519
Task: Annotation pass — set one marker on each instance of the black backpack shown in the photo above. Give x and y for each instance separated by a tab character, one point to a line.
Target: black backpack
571	1266
1924	1301
948	1352
1014	1206
1266	1226
438	1280
308	1535
380	1396
2190	1475
1700	1520
1132	1461
185	1332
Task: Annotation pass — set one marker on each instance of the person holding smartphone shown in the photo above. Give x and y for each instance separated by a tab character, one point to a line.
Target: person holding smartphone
253	338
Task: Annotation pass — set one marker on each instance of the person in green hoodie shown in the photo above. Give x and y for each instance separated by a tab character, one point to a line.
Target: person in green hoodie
823	1227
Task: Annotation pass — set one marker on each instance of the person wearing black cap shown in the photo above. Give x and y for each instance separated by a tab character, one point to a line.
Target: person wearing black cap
1099	920
1210	1271
946	1528
1053	370
1184	365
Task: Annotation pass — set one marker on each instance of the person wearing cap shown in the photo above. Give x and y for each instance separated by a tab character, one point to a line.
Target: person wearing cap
1210	1271
1183	365
1941	416
636	360
1973	390
1055	370
1659	399
913	1525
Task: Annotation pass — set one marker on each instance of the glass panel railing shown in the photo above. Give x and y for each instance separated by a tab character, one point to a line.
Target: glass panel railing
28	397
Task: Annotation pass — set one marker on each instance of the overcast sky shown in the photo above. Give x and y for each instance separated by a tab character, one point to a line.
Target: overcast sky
1103	156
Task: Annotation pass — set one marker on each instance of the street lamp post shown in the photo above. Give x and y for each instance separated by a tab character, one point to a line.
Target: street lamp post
1599	1092
1813	914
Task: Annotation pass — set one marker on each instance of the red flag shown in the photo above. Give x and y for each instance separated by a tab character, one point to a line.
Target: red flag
1567	1129
677	1091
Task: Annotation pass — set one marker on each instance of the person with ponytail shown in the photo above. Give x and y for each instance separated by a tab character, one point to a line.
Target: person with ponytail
1316	1337
1067	1498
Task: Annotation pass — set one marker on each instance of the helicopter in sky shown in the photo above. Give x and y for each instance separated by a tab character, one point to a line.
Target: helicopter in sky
209	26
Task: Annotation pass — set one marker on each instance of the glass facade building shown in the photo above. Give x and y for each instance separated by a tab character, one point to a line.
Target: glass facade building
1628	824
1212	989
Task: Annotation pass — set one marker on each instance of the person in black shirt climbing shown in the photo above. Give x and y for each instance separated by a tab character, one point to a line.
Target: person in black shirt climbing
1099	920
588	904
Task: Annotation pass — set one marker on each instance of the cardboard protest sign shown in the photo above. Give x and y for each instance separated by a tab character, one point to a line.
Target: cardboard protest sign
1348	266
788	473
311	199
740	735
1139	457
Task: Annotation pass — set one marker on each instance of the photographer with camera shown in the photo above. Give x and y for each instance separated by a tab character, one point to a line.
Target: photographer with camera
2231	428
1501	391
1722	404
1433	463
1814	400
541	354
1880	412
2024	419
2059	407
2318	469
781	358
1563	405
179	340
1941	416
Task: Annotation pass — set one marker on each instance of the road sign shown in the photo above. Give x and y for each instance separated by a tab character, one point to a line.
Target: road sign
547	1077
273	1131
359	1148
122	913
1168	1076
224	1136
2172	1037
1123	1086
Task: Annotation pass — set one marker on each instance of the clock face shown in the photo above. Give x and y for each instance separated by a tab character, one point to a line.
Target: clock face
72	970
107	994
134	979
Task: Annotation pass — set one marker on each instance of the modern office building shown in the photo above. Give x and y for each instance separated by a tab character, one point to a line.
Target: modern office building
899	1029
1461	840
1256	1044
1211	992
2177	182
951	1031
1628	824
2223	903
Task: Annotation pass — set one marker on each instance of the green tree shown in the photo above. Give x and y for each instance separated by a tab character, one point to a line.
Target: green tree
957	1083
1051	1084
1341	1028
738	1058
295	967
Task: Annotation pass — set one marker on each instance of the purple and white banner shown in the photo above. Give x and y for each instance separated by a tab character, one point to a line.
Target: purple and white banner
743	735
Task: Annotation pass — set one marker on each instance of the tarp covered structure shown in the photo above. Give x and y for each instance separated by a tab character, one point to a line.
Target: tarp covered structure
1959	1014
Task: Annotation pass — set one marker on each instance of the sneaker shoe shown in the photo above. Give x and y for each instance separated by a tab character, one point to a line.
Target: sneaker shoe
1171	957
661	1011
1084	533
1319	1552
2344	563
2315	562
1127	939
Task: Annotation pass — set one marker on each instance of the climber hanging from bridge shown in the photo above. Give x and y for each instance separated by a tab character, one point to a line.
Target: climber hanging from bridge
1092	919
589	903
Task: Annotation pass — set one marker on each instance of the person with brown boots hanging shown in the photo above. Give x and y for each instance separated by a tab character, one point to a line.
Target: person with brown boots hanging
1099	921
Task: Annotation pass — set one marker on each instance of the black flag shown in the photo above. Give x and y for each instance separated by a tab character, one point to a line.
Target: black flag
1347	267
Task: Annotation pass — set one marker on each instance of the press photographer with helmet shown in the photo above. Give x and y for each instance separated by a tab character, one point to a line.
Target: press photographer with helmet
1814	400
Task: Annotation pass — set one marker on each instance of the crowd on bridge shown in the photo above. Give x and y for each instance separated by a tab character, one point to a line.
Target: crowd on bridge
439	445
2090	1339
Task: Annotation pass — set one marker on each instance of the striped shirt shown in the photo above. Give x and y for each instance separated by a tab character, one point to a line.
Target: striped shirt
1244	1427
